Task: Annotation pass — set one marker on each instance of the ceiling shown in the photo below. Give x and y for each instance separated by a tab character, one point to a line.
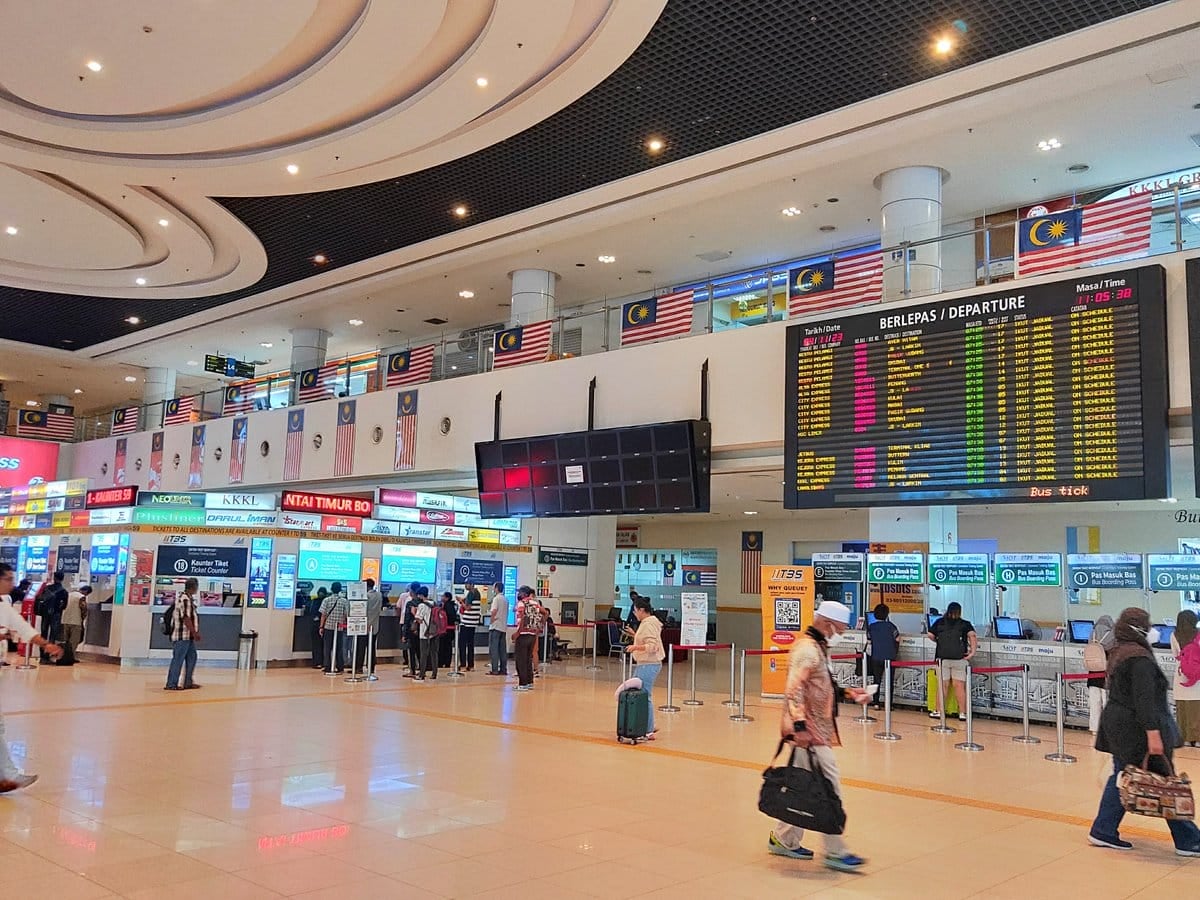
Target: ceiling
197	111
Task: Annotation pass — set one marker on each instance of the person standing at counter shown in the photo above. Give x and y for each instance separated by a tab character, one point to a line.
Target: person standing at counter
423	618
1187	696
374	610
468	621
52	600
1097	648
531	619
956	643
185	634
74	617
498	631
312	611
1136	727
11	778
408	602
333	624
446	641
885	647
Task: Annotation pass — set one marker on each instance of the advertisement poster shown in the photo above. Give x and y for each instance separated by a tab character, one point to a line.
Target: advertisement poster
69	558
260	571
788	593
1189	599
285	581
24	462
694	619
901	598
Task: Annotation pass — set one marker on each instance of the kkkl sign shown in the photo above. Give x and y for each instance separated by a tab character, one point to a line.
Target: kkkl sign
228	500
106	498
326	504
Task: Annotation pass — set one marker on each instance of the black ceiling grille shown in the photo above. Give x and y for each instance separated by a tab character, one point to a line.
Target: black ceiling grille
711	72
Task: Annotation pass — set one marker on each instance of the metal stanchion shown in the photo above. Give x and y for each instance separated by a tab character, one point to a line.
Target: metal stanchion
887	734
670	707
864	717
454	672
1025	737
969	744
1060	755
732	701
28	664
595	644
941	727
545	661
693	701
331	672
370	673
741	713
354	677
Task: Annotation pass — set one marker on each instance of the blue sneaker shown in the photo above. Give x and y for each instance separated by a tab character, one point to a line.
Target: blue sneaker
847	862
774	846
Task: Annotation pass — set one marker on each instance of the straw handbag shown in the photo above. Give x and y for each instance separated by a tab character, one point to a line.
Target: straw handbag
1146	793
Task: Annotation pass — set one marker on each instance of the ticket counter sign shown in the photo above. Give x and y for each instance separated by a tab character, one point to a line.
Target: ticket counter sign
839	567
958	568
1105	570
1028	569
895	568
788	593
1174	571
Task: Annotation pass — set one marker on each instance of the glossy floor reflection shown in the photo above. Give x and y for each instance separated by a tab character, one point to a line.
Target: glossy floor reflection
290	784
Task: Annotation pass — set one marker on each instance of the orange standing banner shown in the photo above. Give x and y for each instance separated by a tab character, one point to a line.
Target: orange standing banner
788	594
370	569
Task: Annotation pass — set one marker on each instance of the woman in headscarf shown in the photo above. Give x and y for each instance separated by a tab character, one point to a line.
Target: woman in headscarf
1187	699
1102	636
1136	724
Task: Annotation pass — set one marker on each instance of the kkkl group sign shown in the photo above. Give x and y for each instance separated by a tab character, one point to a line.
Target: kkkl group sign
238	500
201	562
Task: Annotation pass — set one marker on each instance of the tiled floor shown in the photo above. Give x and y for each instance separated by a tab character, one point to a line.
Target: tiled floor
290	784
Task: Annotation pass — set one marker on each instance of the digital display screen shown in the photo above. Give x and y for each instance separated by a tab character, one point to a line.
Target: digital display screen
1007	627
1081	630
1045	392
102	560
330	560
401	564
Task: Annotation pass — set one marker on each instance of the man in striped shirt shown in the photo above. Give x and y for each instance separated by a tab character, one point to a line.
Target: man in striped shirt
334	610
469	618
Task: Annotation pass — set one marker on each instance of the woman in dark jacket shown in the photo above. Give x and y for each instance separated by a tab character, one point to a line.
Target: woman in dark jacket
1136	723
446	645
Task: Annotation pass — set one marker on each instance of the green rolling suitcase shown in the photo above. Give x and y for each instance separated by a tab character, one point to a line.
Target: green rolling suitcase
633	715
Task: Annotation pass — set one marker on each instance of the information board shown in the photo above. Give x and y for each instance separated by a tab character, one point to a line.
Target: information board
895	568
693	624
330	560
285	581
958	568
402	564
1045	392
1174	571
839	567
102	560
1104	570
1028	569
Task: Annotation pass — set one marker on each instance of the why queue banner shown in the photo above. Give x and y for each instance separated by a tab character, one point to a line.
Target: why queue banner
788	594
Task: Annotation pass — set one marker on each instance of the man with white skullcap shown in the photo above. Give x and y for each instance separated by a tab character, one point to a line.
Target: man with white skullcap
810	721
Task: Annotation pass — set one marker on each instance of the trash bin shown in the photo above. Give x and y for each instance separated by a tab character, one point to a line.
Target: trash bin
247	656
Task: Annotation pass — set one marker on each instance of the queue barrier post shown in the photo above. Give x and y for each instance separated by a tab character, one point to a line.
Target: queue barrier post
670	706
864	717
333	654
371	676
543	662
692	651
1025	737
1060	755
732	701
455	671
595	643
741	716
969	744
941	727
28	664
887	734
354	677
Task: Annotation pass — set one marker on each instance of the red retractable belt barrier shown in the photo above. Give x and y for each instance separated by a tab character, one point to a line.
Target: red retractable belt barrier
995	670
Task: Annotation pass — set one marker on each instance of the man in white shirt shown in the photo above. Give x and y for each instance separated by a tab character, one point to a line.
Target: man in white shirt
10	620
498	631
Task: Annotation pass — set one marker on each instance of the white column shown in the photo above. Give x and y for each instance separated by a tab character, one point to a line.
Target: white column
308	348
159	385
532	295
910	209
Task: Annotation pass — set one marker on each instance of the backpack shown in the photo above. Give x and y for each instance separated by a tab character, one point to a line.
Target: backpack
531	617
1095	657
952	639
438	623
1189	663
168	620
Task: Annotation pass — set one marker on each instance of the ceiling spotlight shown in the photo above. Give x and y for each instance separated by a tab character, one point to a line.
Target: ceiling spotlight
139	281
163	222
131	378
354	322
790	211
134	320
460	211
78	390
655	145
943	45
320	259
293	169
607	259
1049	144
266	344
94	65
481	82
11	230
466	295
31	403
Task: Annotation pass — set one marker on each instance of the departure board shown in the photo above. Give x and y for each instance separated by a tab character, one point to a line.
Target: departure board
1036	393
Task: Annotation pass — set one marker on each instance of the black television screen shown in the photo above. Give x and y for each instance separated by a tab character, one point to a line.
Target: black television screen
1008	627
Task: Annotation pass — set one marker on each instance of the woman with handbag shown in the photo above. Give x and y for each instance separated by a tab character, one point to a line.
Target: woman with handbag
1136	727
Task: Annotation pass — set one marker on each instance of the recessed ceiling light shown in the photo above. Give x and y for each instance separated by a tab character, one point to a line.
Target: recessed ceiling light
1049	144
320	259
11	230
943	45
134	320
131	378
481	82
655	144
790	211
466	295
95	65
293	169
31	403
607	259
266	344
139	281
193	362
78	390
460	211
163	222
354	322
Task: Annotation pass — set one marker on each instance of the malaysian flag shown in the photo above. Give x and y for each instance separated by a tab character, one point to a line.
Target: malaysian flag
343	444
702	576
647	320
196	462
1077	237
125	421
293	448
237	450
49	426
413	366
406	431
522	344
669	571
846	281
120	454
319	383
179	411
239	398
752	542
154	479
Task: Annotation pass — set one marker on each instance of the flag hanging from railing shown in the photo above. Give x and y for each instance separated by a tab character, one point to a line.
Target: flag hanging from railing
1098	232
659	317
154	478
319	383
521	344
196	462
179	411
125	421
413	366
47	426
752	542
239	398
406	431
120	455
343	444
836	284
293	448
237	450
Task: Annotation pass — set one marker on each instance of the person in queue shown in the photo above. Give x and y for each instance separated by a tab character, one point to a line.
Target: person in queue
445	649
498	631
469	618
185	634
1186	696
11	778
423	618
531	619
408	603
1102	637
648	653
1137	728
74	617
885	647
374	611
52	600
334	610
810	722
956	643
311	604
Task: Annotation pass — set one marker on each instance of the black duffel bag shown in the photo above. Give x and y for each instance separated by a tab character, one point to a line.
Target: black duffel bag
801	797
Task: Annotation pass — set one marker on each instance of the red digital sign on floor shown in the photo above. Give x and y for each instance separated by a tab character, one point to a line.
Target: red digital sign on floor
27	462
